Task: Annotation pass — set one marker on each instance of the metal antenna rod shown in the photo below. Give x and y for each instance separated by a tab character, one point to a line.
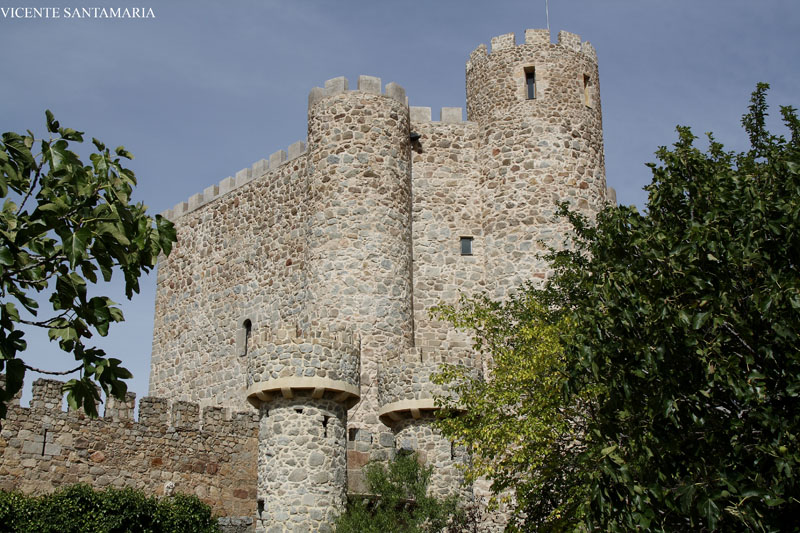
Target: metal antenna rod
547	13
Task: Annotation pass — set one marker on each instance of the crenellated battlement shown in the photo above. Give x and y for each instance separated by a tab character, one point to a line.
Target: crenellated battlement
533	37
178	446
447	115
366	84
334	86
155	414
244	176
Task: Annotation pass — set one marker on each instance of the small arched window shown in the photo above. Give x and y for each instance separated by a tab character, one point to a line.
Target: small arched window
248	329
243	334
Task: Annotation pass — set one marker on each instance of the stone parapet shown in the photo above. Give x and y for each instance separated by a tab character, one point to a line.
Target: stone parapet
285	361
537	37
121	409
447	115
47	394
366	84
405	388
154	413
43	447
242	177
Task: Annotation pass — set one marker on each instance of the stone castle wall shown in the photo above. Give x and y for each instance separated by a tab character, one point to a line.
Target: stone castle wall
212	454
239	257
445	176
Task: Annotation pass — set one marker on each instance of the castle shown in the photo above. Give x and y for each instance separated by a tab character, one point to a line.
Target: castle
299	290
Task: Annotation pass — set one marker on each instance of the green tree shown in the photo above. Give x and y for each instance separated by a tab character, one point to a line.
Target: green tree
524	433
682	343
399	502
62	222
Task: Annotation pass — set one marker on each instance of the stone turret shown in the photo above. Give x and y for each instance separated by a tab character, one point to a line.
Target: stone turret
538	108
407	405
303	386
359	226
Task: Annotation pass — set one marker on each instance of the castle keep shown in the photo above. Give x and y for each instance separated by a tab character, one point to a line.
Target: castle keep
300	288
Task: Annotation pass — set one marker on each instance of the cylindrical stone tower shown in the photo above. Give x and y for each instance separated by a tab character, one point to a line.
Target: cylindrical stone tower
359	222
303	386
538	109
407	405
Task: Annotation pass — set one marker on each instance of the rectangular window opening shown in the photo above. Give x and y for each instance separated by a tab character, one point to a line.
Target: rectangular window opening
466	245
587	84
530	82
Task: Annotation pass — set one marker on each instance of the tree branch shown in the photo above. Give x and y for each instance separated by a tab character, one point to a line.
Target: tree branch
64	373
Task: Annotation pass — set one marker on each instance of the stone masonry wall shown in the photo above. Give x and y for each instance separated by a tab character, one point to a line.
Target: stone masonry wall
401	381
445	190
238	257
211	455
434	450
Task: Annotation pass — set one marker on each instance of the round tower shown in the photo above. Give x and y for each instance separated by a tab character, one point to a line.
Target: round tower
408	406
359	222
538	108
303	386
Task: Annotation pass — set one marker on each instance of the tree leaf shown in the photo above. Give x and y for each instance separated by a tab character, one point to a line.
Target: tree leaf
75	246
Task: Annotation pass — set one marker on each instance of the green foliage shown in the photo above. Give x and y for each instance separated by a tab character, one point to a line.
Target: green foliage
399	502
79	509
689	318
523	432
61	223
681	350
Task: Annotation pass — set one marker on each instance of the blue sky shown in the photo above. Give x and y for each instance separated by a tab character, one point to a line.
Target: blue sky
207	88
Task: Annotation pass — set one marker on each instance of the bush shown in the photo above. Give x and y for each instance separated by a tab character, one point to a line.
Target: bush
80	509
398	502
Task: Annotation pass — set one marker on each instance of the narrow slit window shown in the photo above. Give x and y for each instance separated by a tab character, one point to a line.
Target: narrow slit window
325	425
248	329
466	245
587	84
530	83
